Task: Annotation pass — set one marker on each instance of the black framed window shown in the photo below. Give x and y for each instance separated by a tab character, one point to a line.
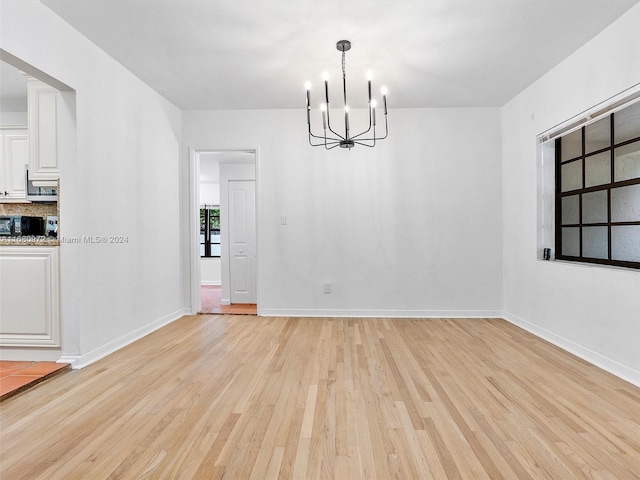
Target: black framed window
597	201
210	231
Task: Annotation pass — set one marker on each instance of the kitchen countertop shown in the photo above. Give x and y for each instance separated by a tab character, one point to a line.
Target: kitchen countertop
29	241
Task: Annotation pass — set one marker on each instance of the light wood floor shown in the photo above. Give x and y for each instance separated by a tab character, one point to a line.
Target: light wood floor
238	397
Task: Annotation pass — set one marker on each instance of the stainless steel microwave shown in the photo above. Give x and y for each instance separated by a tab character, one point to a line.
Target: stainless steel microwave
41	191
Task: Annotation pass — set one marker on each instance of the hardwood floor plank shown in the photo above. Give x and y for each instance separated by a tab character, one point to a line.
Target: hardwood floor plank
245	397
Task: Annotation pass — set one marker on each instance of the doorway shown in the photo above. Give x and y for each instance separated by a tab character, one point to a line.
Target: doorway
225	278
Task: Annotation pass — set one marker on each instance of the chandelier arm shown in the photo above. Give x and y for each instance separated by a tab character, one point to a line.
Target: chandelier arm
314	144
362	133
358	142
324	140
332	142
386	132
362	140
368	129
329	125
323	137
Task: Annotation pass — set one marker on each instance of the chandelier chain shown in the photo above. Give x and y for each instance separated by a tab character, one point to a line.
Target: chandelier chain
344	77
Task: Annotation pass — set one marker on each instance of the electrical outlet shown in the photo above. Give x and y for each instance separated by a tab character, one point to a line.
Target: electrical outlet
283	219
327	288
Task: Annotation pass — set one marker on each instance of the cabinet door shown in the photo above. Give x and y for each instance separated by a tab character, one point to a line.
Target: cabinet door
43	135
29	301
15	156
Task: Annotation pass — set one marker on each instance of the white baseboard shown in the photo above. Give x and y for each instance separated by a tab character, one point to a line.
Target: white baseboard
605	363
85	359
284	312
213	282
225	301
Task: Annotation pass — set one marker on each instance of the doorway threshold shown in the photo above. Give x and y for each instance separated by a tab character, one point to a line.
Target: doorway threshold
211	298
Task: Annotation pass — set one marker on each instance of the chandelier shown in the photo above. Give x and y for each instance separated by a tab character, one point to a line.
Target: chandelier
332	139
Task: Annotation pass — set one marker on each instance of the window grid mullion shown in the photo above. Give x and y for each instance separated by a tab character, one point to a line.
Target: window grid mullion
608	187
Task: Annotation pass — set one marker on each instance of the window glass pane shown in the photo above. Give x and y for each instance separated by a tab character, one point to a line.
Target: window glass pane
214	219
597	135
594	207
627	163
215	250
215	238
627	123
572	145
571	176
202	250
625	204
595	242
597	169
571	210
625	243
571	241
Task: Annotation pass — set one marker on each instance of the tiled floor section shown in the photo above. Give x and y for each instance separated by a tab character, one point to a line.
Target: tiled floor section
18	376
211	296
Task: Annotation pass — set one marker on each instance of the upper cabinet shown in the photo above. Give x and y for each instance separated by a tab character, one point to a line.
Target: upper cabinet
14	156
43	136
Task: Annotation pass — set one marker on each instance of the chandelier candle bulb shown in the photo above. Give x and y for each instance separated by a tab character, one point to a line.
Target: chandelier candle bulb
332	138
346	118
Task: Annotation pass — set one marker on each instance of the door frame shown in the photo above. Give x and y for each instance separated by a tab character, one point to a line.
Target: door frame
194	221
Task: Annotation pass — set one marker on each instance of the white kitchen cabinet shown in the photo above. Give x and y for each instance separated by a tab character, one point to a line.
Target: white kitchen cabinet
29	297
14	156
43	132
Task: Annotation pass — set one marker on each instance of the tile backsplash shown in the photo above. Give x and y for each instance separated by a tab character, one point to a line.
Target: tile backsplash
30	209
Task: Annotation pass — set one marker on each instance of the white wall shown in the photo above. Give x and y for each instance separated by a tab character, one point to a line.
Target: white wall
210	271
590	310
13	118
123	181
410	228
209	193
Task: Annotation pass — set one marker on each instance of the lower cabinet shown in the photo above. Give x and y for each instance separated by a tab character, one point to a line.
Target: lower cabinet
29	296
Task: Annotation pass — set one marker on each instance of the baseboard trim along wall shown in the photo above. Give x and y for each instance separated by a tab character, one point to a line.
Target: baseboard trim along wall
85	359
615	368
277	312
605	363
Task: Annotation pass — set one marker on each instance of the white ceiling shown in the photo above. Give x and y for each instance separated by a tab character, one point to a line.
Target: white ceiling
246	54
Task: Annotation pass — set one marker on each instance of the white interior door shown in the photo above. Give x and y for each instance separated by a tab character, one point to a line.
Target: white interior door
242	240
